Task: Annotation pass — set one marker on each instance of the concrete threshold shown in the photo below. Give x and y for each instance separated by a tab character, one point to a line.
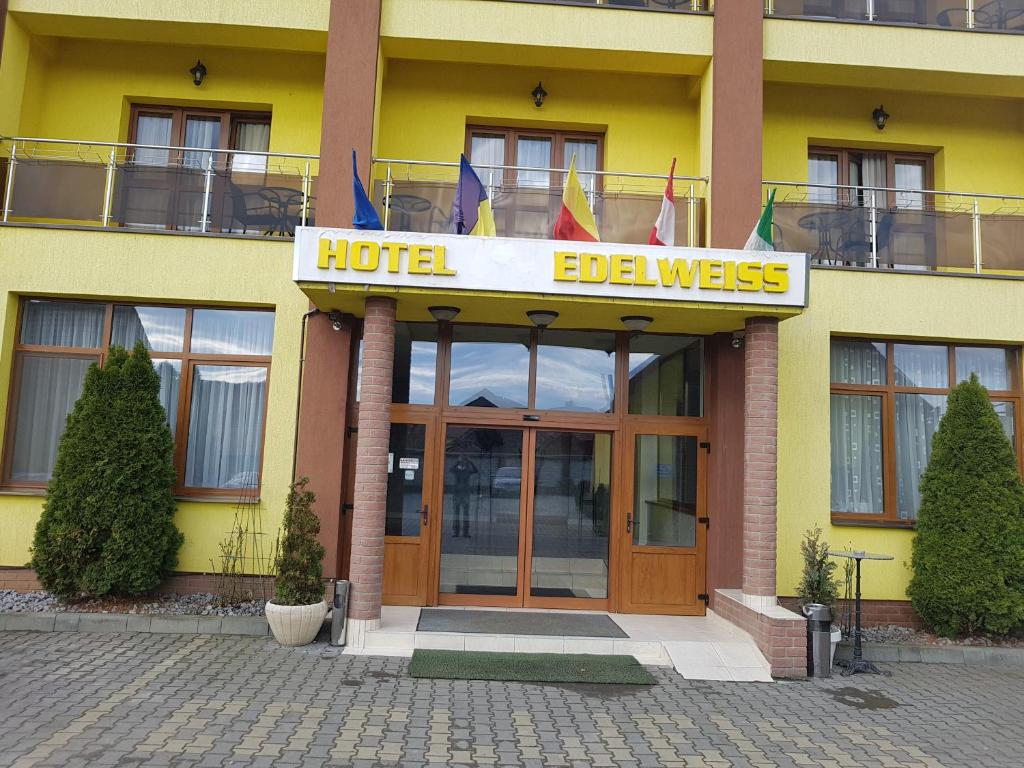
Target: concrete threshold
936	654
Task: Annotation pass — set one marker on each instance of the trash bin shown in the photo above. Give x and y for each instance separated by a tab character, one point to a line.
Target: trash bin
819	640
339	613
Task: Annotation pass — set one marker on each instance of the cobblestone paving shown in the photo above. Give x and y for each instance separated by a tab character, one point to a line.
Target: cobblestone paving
172	700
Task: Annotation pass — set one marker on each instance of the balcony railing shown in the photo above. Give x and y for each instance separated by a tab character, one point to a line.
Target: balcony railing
150	187
988	15
679	6
889	228
417	196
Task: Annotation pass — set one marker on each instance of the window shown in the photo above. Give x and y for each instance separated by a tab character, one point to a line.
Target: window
199	130
887	399
869	169
213	365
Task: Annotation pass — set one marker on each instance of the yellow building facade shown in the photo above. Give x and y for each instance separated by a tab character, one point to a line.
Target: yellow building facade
157	166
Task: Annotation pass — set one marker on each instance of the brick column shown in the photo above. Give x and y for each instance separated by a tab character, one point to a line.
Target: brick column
760	430
366	569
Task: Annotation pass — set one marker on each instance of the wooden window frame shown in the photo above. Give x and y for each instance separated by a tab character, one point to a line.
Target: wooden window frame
188	360
512	135
843	155
887	393
230	119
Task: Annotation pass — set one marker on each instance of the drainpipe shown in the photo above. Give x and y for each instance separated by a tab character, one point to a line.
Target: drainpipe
298	397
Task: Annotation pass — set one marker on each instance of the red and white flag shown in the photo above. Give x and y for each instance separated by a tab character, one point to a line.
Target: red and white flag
664	231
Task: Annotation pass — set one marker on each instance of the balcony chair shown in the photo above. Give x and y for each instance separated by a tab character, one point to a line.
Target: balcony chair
265	209
855	245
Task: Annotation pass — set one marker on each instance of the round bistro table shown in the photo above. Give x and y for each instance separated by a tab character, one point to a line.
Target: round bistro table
858	663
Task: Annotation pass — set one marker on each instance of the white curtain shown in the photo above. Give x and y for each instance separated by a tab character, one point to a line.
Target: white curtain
202	134
232	332
225	426
251	137
62	324
857	362
488	150
992	364
534	153
921	365
873	174
48	387
856	428
822	169
910	176
917	419
586	160
169	372
155	130
161	329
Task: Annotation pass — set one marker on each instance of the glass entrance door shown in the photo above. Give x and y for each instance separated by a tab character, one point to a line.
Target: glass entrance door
525	517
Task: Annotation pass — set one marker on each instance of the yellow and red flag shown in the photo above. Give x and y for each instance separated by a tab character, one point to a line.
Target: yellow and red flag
575	220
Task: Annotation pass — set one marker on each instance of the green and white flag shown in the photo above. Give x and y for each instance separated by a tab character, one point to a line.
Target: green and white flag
761	238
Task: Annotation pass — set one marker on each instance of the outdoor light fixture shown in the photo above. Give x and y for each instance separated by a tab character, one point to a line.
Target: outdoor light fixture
443	314
636	323
738	338
880	116
539	94
198	73
336	319
542	318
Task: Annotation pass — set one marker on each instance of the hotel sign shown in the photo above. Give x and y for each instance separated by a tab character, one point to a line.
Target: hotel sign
610	270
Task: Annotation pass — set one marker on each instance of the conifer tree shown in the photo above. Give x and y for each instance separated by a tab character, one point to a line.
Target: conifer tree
298	580
107	524
968	555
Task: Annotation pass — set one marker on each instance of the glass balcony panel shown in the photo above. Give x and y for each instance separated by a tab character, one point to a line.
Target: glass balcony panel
909	239
65	190
928	13
679	6
853	10
1001	236
1000	15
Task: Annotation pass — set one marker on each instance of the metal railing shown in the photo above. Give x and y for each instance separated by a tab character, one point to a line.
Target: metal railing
895	228
989	15
678	6
417	196
154	187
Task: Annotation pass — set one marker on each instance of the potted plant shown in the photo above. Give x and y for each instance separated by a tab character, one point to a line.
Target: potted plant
817	582
298	609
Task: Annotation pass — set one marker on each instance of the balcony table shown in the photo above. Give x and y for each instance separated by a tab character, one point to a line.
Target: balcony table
857	663
825	223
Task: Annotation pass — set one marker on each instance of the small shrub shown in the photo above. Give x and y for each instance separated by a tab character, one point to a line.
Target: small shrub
107	524
968	555
817	583
298	561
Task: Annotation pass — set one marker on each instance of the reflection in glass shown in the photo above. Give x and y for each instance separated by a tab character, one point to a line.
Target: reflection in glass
665	491
232	332
1007	417
169	372
570	515
917	419
856	429
576	371
405	480
161	329
992	364
62	324
48	387
858	362
225	431
415	363
490	367
665	375
480	520
921	365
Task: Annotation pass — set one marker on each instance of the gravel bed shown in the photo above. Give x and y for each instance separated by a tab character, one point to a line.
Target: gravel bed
203	604
895	635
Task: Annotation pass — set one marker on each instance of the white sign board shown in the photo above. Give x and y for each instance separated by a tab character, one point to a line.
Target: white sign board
611	270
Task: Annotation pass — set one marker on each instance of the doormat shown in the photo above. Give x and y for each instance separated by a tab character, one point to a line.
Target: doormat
554	624
529	667
474	589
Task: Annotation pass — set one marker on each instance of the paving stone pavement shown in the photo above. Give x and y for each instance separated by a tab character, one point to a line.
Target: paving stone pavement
171	700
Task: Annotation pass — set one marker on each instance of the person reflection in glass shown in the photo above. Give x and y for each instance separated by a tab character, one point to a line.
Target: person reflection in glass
461	471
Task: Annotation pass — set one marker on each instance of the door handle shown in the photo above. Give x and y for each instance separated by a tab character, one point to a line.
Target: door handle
629	523
426	513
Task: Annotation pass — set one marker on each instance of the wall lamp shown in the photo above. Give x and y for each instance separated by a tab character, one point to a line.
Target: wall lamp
542	318
636	323
880	116
443	314
539	94
738	337
198	73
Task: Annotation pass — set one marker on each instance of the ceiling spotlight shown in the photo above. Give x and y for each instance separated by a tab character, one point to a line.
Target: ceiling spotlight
542	318
539	94
198	73
880	116
443	314
337	320
636	323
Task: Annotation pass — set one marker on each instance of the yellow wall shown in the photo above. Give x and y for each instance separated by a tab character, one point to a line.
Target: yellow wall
976	141
112	265
13	68
83	89
928	306
647	119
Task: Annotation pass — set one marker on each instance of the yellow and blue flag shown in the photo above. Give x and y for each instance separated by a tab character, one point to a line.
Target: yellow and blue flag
471	211
365	215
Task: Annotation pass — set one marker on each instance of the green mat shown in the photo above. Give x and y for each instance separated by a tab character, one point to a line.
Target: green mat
529	667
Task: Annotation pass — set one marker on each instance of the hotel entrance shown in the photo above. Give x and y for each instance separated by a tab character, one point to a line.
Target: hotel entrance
556	468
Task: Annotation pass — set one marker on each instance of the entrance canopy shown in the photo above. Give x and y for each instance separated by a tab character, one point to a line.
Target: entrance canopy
590	285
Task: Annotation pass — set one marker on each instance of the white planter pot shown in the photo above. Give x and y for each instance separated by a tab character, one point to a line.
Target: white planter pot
295	624
837	635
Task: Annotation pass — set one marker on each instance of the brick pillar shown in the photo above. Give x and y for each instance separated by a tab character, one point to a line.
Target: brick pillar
366	569
760	430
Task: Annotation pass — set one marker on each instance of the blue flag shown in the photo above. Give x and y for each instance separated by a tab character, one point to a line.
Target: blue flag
471	210
365	215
